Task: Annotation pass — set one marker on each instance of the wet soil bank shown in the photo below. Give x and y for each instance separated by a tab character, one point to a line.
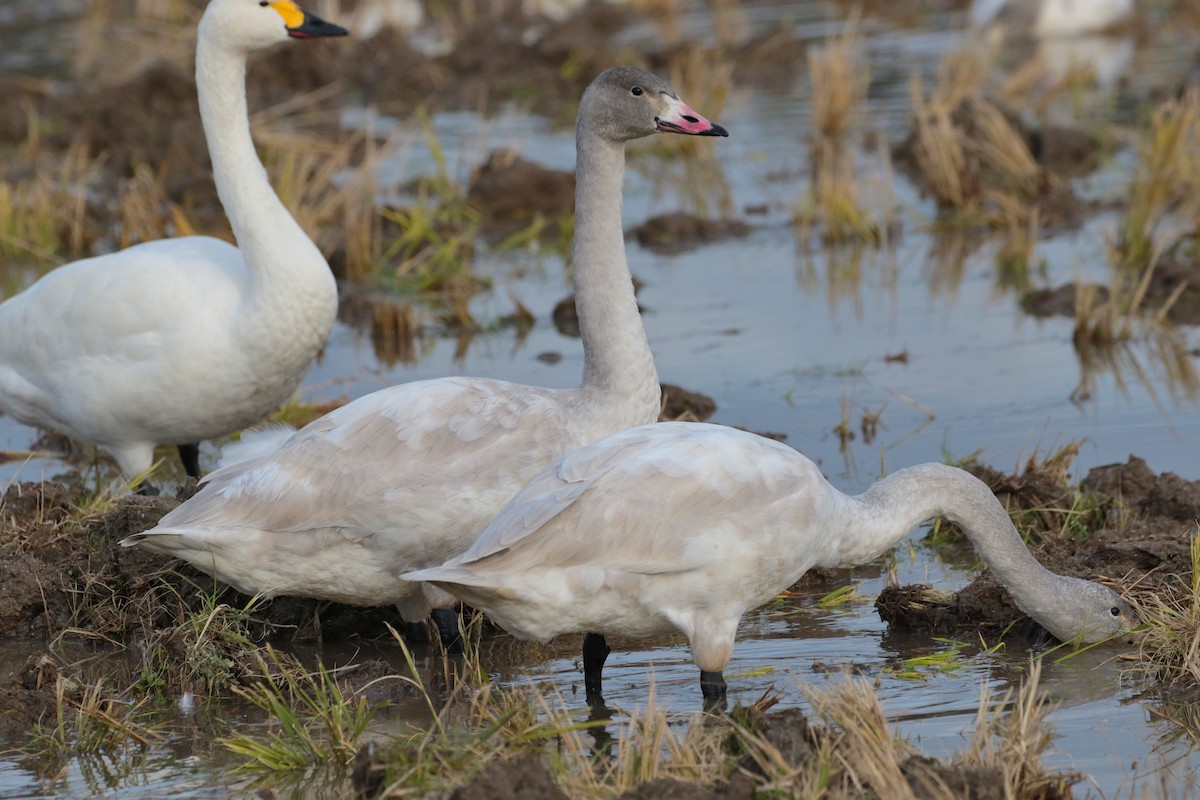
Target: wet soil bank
1123	525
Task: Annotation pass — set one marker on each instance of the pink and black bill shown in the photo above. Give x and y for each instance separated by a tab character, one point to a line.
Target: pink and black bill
681	118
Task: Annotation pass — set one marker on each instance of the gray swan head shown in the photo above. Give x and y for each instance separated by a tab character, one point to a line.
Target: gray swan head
625	103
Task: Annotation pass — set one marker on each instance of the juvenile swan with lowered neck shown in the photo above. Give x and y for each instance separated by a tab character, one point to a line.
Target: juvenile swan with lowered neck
683	527
408	476
180	340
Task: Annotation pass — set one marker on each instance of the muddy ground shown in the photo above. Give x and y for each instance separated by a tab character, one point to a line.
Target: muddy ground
62	570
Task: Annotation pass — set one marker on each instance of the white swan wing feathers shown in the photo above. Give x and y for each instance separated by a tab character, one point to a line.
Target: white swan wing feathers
364	468
600	505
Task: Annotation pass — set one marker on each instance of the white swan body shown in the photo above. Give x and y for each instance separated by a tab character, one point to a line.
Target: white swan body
1051	18
683	527
408	476
179	340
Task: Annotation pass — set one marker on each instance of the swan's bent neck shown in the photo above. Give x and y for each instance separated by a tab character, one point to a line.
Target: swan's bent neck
618	365
895	505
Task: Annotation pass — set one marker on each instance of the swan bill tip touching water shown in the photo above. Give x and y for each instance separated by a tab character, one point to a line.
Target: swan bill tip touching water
684	527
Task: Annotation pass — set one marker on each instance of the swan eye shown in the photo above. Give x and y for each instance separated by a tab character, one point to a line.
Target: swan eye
264	3
637	91
1116	612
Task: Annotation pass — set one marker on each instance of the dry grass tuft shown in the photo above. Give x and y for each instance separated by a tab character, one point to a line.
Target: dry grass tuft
44	216
840	77
147	213
859	742
1169	645
1164	199
1012	744
975	159
330	189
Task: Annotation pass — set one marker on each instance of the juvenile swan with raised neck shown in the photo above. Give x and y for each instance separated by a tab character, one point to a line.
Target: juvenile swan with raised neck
683	527
180	340
408	476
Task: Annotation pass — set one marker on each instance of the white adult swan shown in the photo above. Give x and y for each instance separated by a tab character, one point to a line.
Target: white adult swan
686	526
180	340
408	476
1051	18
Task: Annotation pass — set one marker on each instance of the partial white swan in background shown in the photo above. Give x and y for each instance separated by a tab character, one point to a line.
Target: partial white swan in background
1050	18
408	476
180	340
369	17
683	527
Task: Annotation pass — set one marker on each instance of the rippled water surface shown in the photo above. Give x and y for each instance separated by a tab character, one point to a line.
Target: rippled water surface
788	336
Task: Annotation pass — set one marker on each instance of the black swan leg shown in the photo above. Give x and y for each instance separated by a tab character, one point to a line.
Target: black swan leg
595	652
712	686
416	632
147	489
449	632
189	454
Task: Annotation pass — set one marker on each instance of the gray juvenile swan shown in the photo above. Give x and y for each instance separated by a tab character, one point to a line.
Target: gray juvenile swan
686	526
408	476
181	340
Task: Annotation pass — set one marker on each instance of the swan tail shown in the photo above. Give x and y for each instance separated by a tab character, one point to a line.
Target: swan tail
166	541
474	587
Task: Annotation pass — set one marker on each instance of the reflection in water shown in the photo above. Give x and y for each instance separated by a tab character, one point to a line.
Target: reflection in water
604	747
950	249
846	266
1159	357
687	165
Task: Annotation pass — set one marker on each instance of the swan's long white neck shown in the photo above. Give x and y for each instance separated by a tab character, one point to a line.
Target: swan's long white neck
276	250
618	366
895	505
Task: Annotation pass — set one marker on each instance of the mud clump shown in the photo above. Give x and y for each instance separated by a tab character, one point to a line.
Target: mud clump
680	404
162	126
510	193
1059	302
523	777
679	232
983	605
28	696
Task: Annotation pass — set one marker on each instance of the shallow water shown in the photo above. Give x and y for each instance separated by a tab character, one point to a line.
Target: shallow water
782	333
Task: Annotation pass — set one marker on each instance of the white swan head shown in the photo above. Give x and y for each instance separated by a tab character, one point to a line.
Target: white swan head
626	103
250	25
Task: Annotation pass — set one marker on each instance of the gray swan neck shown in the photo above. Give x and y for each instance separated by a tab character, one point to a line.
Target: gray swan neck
617	361
900	502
